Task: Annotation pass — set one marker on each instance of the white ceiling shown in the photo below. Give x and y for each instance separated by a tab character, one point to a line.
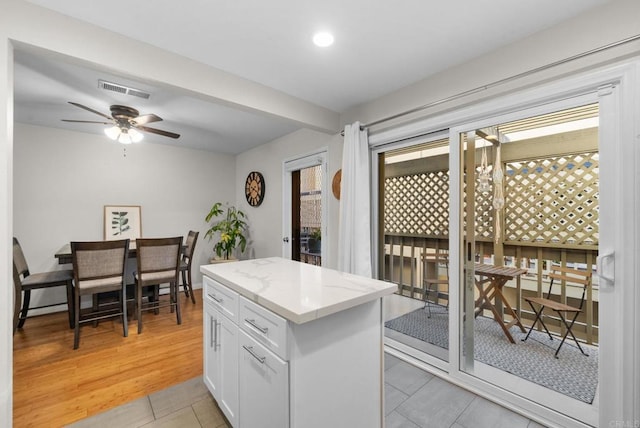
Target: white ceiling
379	47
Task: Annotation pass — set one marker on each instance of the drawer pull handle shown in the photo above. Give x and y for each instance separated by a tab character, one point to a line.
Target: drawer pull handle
215	329
212	332
250	350
217	299
253	324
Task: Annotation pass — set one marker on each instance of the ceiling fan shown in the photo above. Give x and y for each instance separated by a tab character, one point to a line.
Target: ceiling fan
126	122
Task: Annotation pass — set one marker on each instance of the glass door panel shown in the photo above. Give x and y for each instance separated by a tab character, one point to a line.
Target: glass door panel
414	253
310	214
530	191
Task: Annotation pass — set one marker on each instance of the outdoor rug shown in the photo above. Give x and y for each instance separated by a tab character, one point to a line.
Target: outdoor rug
572	374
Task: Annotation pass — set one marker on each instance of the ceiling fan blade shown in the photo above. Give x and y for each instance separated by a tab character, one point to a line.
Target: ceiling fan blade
147	118
86	121
90	109
159	132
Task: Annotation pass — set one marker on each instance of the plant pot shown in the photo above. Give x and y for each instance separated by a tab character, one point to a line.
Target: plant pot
314	245
216	260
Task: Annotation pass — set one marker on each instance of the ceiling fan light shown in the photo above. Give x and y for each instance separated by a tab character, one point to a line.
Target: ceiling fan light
124	137
323	39
113	132
136	136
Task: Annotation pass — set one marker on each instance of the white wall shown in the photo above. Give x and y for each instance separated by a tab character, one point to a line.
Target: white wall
266	220
599	27
63	179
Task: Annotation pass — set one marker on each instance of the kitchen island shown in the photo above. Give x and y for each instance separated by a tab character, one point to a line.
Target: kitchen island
288	344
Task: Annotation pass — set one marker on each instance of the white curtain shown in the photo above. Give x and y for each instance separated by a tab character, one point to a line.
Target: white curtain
354	241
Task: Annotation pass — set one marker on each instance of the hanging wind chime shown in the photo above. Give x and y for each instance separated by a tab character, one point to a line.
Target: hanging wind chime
498	194
484	176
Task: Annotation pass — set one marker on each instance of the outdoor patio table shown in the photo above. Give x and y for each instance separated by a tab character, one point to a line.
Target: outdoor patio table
489	283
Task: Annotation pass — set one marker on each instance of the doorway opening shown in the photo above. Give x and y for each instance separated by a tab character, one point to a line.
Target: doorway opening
305	209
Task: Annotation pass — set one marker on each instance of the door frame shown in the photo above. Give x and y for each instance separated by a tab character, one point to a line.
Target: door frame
315	158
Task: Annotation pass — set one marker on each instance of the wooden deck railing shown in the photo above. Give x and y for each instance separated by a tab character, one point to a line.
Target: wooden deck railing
402	263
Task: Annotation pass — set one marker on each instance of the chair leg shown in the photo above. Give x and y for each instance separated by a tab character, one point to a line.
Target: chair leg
95	306
183	274
76	323
427	291
569	327
190	284
173	297
125	325
16	308
538	318
177	302
25	308
156	298
70	304
139	307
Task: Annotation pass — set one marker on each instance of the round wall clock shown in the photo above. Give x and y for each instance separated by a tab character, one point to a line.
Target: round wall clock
254	188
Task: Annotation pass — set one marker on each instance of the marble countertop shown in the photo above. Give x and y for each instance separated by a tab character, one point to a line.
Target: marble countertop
297	291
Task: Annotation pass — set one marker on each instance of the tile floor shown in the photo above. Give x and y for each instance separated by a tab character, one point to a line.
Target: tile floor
413	399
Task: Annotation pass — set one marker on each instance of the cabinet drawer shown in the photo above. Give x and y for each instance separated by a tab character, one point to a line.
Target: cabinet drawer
224	299
264	386
267	328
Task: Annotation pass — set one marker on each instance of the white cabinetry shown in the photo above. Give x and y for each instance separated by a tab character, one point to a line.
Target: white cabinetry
221	347
308	345
264	386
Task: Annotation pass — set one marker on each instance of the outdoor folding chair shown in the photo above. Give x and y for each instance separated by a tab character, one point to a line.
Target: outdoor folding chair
564	311
432	281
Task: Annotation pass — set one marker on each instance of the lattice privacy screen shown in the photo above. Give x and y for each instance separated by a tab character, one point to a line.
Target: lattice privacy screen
417	204
553	200
310	197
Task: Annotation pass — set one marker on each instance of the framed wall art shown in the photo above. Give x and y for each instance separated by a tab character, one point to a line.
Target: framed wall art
122	221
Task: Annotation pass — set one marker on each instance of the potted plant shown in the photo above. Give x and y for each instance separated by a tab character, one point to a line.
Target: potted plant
231	225
314	240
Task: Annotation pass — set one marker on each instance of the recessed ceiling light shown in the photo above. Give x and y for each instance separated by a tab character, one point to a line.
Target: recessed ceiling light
323	39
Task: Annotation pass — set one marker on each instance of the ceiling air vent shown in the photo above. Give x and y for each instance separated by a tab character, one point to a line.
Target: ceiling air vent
121	89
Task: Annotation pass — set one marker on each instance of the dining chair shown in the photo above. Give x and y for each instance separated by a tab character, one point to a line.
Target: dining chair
185	264
24	281
158	262
564	311
99	267
432	280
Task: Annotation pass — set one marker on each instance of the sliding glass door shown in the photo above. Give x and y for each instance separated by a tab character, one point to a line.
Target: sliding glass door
529	191
414	243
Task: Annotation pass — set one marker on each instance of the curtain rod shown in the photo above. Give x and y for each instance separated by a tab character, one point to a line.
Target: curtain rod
500	82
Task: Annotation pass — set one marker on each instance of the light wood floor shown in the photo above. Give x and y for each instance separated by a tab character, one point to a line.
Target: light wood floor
53	385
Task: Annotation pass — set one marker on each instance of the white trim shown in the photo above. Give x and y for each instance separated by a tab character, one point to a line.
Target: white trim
619	374
6	233
584	83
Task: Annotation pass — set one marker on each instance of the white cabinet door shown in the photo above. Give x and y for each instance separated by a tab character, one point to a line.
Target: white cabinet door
221	361
228	353
264	386
212	359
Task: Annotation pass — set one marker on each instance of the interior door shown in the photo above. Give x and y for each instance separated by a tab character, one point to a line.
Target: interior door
305	208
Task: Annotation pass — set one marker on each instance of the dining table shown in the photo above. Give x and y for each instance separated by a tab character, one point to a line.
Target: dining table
490	281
